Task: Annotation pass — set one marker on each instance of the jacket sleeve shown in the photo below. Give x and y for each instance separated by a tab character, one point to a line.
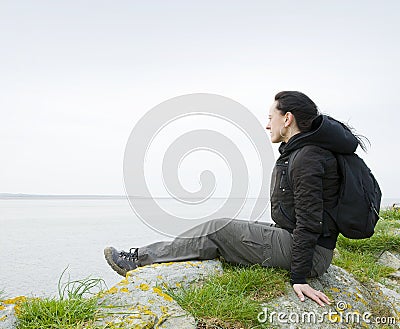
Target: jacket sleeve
307	174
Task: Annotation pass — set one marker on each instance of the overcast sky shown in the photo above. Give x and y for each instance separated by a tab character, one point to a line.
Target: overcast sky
75	77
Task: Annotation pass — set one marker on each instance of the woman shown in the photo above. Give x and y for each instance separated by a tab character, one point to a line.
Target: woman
304	186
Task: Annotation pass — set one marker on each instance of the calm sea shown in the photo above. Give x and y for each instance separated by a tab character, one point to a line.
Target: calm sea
39	238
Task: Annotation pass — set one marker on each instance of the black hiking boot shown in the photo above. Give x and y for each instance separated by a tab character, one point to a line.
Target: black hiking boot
121	261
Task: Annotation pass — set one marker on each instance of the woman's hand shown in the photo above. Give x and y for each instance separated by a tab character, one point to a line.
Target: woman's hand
318	296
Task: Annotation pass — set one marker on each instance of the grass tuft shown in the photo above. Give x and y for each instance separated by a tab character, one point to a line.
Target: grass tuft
381	241
79	288
363	265
392	213
359	257
233	298
51	313
71	310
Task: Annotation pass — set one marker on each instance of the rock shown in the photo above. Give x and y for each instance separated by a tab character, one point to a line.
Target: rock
7	317
139	301
389	260
336	253
392	283
7	312
392	295
395	275
354	305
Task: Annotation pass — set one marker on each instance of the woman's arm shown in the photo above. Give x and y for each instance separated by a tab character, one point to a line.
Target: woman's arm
307	173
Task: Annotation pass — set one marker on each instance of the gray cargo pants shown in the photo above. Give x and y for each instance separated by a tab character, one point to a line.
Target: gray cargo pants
237	241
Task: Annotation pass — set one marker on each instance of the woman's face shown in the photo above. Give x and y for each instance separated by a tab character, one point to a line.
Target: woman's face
275	123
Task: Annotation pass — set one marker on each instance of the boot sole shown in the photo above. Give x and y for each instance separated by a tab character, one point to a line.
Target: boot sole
109	259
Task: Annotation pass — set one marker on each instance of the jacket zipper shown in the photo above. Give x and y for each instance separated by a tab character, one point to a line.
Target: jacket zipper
280	181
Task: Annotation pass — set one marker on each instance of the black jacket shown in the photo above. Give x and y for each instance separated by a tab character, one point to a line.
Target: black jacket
301	199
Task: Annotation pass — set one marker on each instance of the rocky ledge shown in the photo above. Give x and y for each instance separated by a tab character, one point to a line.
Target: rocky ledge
139	301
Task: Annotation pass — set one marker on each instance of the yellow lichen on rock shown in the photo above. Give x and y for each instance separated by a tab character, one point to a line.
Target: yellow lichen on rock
145	310
143	286
112	290
160	293
136	316
161	264
123	282
334	318
161	320
15	300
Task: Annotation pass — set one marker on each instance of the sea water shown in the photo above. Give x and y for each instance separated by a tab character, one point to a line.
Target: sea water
41	237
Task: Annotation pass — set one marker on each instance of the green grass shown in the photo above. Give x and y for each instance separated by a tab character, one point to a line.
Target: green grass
391	214
233	299
359	257
51	313
73	309
363	265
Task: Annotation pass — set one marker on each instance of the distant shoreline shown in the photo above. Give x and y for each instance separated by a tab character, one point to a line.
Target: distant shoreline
21	196
67	196
58	196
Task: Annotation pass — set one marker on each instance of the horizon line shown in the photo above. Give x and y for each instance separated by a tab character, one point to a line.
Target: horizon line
22	195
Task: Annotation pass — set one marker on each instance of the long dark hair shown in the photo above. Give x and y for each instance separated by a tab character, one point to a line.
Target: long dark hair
300	105
305	111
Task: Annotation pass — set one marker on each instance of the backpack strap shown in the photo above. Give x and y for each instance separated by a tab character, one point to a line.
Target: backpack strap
291	158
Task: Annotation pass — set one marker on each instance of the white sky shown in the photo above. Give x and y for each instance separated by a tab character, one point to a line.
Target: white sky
75	76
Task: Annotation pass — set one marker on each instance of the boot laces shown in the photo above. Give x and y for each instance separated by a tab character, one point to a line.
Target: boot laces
132	256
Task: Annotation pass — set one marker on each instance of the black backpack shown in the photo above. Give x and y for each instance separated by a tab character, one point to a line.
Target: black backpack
357	211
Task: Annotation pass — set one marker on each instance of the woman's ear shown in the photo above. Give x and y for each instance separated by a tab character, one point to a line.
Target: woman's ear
288	119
